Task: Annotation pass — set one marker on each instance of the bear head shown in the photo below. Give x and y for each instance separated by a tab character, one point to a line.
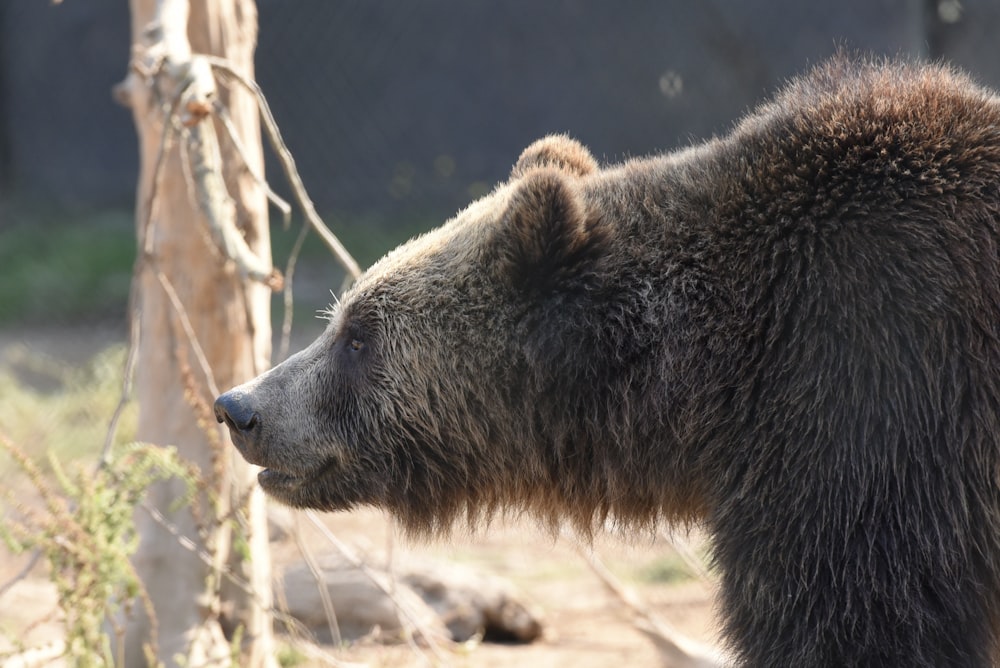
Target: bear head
417	397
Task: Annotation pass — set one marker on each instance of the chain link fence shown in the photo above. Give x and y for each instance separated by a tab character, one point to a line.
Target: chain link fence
403	111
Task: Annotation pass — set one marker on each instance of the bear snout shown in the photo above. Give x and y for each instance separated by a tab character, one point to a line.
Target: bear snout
235	409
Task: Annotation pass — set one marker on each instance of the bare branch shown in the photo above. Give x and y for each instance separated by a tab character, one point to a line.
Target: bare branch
193	92
289	298
209	560
291	172
199	354
166	140
173	94
227	122
359	564
23	573
324	593
128	373
687	554
677	650
210	187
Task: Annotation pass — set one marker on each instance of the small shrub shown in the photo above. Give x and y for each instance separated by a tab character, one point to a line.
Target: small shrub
86	533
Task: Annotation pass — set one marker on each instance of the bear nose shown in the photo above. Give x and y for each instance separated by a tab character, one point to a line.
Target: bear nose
233	409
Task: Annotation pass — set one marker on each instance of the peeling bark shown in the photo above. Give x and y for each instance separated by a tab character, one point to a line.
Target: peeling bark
202	229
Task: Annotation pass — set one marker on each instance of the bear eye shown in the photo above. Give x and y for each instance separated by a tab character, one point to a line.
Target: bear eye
353	339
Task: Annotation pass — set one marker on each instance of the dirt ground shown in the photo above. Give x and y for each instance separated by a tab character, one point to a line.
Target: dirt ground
586	626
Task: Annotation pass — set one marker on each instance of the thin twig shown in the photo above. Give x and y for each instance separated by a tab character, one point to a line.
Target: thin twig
688	555
404	610
227	122
146	240
676	649
207	187
324	591
128	373
166	140
188	544
295	628
23	573
199	354
350	266
286	323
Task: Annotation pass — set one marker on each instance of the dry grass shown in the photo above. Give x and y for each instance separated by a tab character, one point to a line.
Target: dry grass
52	408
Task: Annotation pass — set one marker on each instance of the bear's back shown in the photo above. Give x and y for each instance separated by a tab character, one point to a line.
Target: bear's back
852	139
856	241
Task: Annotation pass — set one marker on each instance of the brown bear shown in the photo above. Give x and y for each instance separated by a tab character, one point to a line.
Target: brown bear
789	335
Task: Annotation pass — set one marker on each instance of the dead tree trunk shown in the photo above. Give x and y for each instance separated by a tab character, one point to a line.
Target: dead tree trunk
203	325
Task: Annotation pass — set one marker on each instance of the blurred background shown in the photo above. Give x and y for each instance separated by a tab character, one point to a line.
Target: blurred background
399	114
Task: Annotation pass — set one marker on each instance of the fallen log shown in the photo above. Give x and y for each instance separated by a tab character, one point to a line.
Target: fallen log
423	601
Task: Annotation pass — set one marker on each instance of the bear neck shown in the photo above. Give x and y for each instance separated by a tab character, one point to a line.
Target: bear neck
615	404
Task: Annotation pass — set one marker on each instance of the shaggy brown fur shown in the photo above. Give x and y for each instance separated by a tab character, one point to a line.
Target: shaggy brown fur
790	334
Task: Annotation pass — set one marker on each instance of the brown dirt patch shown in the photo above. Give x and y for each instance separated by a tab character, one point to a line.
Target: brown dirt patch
586	626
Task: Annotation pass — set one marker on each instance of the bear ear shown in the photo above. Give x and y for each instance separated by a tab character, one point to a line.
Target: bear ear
547	238
558	151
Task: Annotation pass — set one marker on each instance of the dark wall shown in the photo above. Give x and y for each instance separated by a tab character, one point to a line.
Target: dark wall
402	92
394	107
65	139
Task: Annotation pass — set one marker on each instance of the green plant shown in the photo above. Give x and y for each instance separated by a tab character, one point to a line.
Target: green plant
65	268
86	533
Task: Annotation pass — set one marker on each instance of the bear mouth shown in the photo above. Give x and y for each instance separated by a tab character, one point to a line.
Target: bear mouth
321	488
270	479
280	483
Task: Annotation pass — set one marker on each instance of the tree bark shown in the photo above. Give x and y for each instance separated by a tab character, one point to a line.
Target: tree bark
187	286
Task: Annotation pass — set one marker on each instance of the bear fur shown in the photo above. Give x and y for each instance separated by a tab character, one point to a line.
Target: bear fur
789	335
